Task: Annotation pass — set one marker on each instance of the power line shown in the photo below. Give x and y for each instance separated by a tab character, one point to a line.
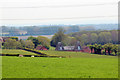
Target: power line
60	6
64	18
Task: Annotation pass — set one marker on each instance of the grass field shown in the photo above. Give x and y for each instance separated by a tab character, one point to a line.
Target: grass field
75	65
39	67
15	51
68	54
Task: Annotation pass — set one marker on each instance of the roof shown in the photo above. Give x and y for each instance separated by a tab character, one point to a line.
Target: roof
69	47
41	48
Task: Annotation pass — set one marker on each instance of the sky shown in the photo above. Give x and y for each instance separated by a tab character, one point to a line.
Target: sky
46	12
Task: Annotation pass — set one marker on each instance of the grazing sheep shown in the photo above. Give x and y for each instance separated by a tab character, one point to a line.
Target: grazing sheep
32	56
60	57
20	55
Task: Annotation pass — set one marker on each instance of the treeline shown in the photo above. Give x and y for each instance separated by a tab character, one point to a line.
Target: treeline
17	44
98	37
37	30
31	43
106	49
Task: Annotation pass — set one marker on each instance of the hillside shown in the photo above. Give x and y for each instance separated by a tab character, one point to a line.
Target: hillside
52	29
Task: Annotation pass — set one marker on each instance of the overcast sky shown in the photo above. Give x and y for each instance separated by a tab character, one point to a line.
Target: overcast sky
39	12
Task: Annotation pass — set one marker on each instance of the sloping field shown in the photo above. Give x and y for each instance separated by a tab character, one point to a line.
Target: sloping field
15	51
69	54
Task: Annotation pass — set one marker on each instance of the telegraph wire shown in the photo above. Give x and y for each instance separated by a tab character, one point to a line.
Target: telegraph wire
64	18
63	6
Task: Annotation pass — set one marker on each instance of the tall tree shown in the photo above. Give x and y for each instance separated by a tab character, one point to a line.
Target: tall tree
78	38
44	41
29	44
114	36
84	38
22	43
69	41
93	38
91	48
10	44
18	45
58	37
115	49
34	40
108	47
104	37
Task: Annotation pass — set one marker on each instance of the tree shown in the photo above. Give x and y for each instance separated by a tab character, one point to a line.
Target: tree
58	37
78	38
95	48
34	40
104	37
93	38
99	48
114	37
105	47
10	44
44	41
29	44
18	45
115	49
22	43
91	48
84	38
108	47
69	41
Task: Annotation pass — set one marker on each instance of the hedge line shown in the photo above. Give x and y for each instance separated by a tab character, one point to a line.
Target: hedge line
34	51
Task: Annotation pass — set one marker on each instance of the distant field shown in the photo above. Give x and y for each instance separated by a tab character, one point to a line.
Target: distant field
69	54
15	51
52	52
25	37
39	67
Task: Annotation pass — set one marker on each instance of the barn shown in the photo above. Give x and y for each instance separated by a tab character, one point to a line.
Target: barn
40	47
60	47
86	49
77	47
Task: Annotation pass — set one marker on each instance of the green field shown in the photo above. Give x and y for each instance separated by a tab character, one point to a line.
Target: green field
79	65
15	51
68	54
26	67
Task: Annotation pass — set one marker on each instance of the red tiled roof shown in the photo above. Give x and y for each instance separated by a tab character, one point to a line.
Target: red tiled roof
41	48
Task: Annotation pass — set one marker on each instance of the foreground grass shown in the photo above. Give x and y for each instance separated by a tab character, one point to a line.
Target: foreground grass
17	51
37	67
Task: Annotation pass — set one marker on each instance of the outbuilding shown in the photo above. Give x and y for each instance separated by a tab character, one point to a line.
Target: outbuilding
60	47
40	47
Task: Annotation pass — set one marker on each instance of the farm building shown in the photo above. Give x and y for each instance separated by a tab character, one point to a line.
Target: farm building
86	49
41	48
77	47
60	47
